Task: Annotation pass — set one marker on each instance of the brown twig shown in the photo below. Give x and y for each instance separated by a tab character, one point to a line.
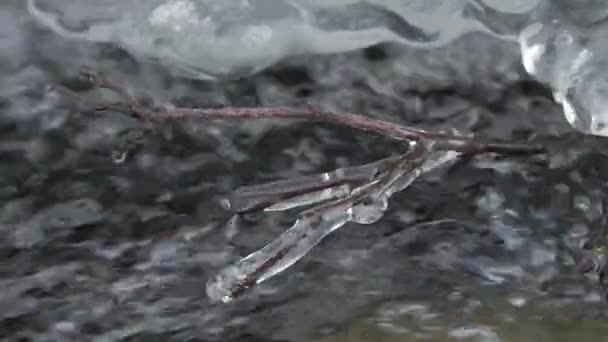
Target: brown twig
357	121
445	141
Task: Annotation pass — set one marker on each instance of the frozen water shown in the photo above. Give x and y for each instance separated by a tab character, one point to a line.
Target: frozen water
562	42
288	248
365	204
564	46
298	191
370	211
311	198
571	59
200	37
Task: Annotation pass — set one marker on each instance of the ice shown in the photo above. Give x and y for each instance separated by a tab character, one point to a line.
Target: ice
300	191
565	46
562	42
365	204
370	211
281	253
572	61
199	38
311	198
477	333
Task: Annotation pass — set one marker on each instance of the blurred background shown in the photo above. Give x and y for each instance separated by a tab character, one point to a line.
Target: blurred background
109	233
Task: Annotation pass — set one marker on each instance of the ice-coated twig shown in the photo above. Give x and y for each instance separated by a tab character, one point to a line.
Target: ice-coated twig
304	190
365	205
357	194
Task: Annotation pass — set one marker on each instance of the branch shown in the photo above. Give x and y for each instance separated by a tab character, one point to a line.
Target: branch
365	204
304	190
357	194
444	141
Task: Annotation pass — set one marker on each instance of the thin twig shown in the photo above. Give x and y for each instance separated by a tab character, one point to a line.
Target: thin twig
293	245
445	141
357	121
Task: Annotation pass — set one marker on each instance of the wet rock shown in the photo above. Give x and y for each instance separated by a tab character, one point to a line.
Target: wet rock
57	221
94	250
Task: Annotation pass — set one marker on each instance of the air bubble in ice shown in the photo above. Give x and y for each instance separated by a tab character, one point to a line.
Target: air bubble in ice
220	288
369	211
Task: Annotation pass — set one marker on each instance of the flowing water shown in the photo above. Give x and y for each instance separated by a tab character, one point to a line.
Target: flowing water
111	233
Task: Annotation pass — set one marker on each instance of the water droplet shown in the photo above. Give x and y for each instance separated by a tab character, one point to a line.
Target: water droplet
119	157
